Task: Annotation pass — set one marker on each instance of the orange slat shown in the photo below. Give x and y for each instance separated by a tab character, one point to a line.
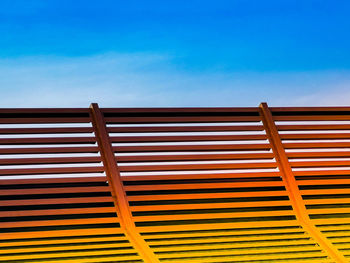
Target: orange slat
201	186
38	191
193	196
53	201
64	211
199	176
64	222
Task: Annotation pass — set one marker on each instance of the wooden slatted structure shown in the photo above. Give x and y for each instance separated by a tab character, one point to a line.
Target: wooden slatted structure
170	185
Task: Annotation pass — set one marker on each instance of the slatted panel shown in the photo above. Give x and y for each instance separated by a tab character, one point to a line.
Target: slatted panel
56	204
317	141
203	186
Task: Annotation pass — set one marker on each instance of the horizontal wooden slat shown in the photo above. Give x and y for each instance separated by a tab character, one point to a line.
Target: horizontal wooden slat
57	130
176	217
179	128
315	127
193	196
38	191
193	157
305	145
53	180
281	110
322	172
63	222
117	254
55	201
49	111
28	244
64	248
187	110
50	160
47	140
43	120
324	182
183	167
315	136
185	119
199	176
206	226
65	211
234	235
32	150
61	170
208	147
313	118
320	163
333	154
201	186
187	138
20	236
209	206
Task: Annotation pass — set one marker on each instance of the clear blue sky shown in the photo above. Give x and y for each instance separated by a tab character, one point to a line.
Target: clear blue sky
174	53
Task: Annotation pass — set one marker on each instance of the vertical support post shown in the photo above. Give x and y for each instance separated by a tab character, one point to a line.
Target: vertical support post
120	200
292	186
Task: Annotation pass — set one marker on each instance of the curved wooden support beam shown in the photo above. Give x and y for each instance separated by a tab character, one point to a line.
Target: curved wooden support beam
292	186
120	201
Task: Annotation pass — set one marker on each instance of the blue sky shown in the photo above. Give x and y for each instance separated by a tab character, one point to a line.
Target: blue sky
60	53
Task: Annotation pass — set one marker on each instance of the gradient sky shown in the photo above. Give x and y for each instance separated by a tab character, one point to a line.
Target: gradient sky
60	53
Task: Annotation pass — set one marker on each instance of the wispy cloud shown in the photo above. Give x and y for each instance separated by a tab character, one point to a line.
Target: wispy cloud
151	80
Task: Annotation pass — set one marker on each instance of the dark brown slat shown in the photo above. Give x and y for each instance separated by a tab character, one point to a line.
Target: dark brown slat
202	119
182	110
185	128
183	167
82	149
61	190
313	118
44	110
66	211
55	140
61	170
45	130
43	120
53	201
194	157
313	127
301	109
53	180
318	154
316	145
165	148
185	138
199	176
57	160
315	136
